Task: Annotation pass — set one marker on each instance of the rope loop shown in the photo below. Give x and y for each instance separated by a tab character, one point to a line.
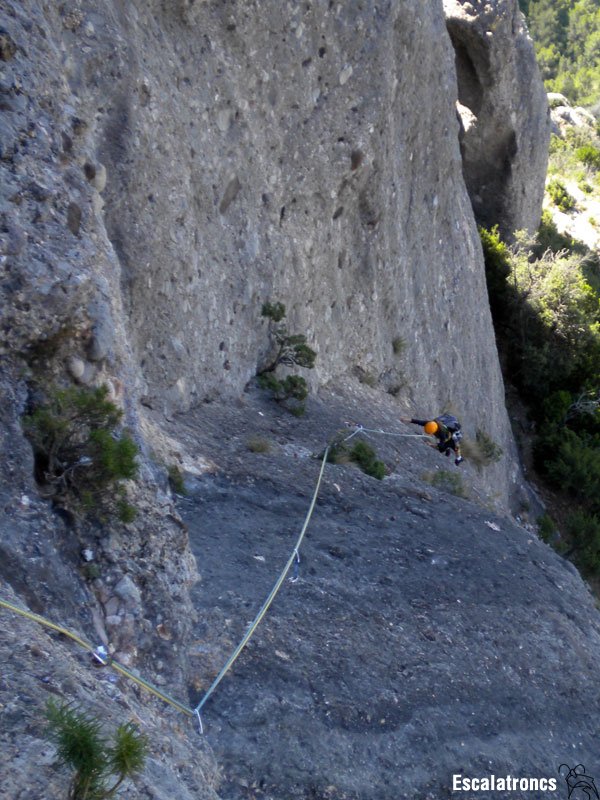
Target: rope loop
102	655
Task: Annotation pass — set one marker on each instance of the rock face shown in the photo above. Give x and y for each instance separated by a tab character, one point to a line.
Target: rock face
167	167
425	636
313	160
503	110
170	167
564	116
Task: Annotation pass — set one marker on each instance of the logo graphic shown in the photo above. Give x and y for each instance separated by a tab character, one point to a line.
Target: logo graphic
580	785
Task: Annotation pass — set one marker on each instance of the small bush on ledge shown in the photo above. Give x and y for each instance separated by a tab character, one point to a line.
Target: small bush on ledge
483	451
290	350
361	454
80	458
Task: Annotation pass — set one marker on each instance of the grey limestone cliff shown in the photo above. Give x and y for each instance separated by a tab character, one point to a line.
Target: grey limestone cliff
169	166
505	122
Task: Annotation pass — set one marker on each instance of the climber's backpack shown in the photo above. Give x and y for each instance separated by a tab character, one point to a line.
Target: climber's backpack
452	424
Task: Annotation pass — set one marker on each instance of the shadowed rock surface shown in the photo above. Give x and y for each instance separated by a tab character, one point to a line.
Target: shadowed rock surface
426	636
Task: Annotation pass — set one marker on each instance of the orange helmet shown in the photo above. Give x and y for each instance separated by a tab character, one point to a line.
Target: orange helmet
431	427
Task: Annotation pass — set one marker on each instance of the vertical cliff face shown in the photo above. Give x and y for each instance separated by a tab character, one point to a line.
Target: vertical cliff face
505	123
302	153
208	157
193	160
170	165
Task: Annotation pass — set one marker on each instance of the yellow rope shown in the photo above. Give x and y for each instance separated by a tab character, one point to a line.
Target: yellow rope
47	623
148	686
110	663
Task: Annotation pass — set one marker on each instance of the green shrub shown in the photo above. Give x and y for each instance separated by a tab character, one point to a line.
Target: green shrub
274	311
559	195
571	463
290	350
551	316
80	458
584	532
497	258
366	377
398	345
483	451
258	445
555	408
589	155
366	458
290	391
361	454
490	450
176	480
549	238
546	528
95	761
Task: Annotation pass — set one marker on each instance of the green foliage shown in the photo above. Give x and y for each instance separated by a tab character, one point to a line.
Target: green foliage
559	195
127	755
361	454
398	345
80	459
296	351
491	451
547	317
80	746
290	391
497	258
483	451
549	238
588	155
566	34
571	463
367	378
91	571
546	528
584	531
366	458
258	445
274	311
95	761
176	481
290	350
548	330
555	407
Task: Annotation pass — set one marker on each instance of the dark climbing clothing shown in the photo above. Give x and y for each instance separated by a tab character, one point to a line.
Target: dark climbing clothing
448	434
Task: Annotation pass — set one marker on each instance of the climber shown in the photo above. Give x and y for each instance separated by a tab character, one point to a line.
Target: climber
446	430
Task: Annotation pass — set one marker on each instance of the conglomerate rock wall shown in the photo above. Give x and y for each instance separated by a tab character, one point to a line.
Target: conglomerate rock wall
167	167
502	104
172	166
195	160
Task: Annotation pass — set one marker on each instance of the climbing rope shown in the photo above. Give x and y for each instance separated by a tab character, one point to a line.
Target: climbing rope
265	606
294	560
108	662
362	429
98	653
